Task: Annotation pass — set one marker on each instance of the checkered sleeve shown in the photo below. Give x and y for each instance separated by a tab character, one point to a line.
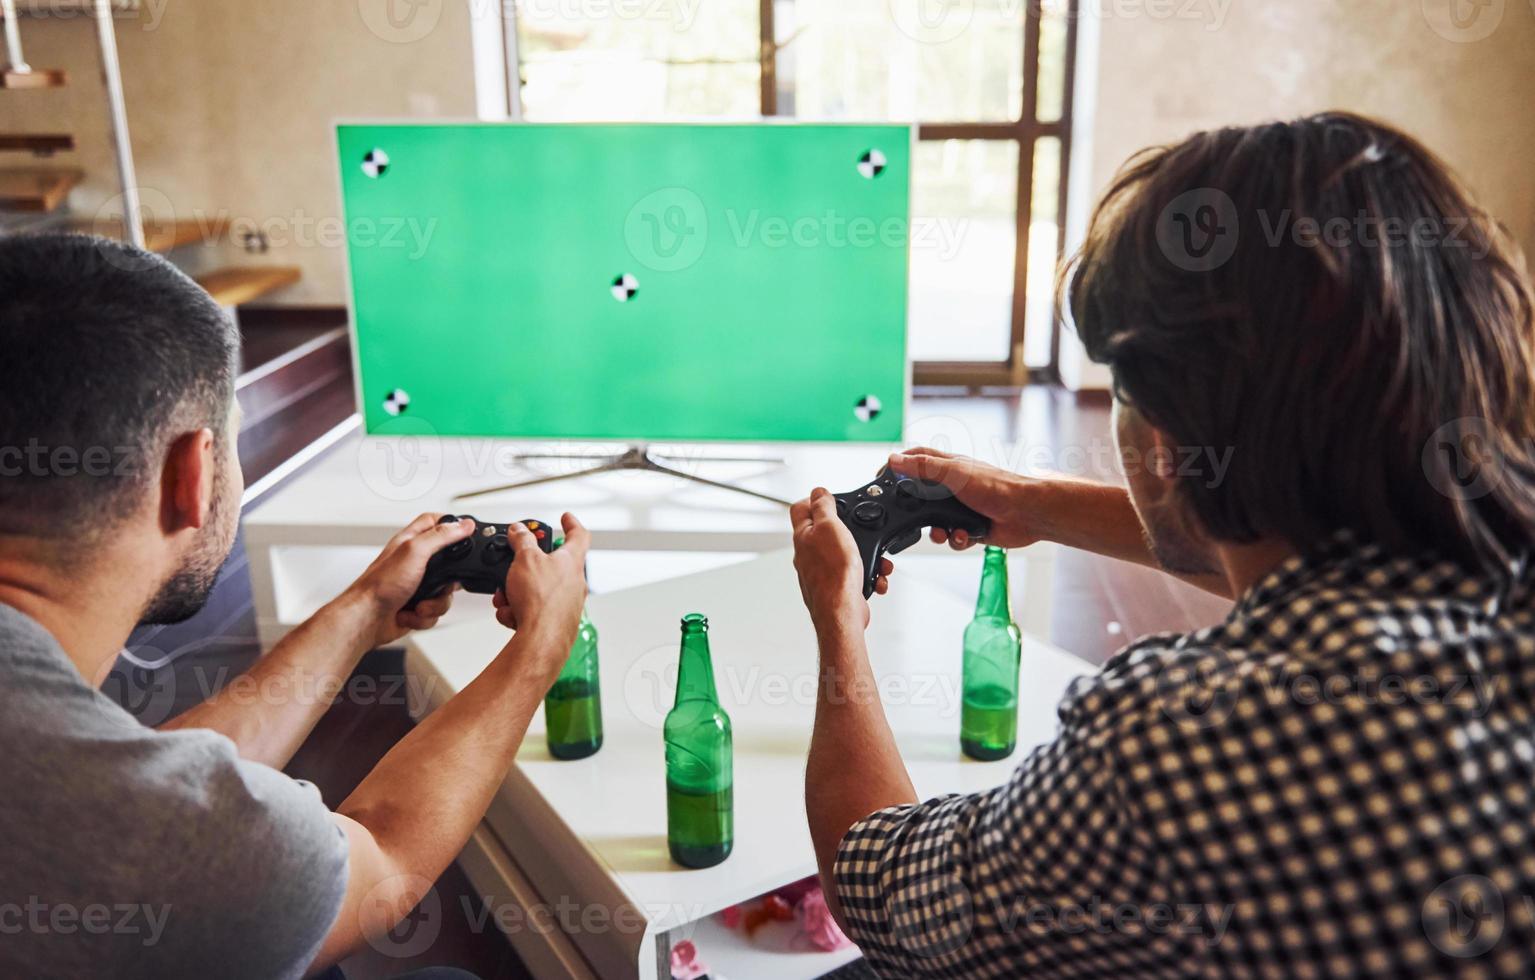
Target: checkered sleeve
979	885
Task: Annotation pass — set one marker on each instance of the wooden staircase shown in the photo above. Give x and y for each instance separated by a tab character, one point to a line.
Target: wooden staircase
36	191
238	285
38	144
36	198
33	78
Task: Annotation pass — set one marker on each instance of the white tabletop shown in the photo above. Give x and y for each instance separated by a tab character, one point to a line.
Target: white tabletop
613	803
367	486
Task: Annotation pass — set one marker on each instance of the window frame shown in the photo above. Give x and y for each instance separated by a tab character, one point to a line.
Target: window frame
1025	131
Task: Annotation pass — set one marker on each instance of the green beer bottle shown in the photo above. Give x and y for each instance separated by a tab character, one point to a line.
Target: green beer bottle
573	706
700	824
988	727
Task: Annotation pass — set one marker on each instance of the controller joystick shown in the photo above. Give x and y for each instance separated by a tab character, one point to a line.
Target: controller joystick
479	562
888	516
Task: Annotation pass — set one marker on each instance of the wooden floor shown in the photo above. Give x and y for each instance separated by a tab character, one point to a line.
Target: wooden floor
1098	606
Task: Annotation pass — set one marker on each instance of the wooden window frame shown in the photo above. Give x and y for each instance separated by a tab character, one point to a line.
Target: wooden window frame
1025	131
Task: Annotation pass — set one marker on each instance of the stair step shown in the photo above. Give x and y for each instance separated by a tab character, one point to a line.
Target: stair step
42	143
241	284
37	191
36	78
162	236
268	389
74	8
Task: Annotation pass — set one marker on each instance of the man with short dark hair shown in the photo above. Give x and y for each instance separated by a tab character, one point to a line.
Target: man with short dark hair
1337	780
119	500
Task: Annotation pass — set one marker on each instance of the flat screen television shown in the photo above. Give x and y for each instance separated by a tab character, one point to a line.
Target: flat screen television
630	282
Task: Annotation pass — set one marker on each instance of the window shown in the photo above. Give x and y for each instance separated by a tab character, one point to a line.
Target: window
988	82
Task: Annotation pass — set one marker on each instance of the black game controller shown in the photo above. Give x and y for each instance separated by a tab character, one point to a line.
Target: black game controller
888	516
479	562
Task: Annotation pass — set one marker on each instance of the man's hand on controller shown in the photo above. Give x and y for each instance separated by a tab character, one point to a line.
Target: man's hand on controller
998	495
392	579
827	560
545	590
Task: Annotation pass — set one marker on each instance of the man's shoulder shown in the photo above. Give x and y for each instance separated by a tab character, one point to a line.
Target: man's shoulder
1149	682
1328	644
98	805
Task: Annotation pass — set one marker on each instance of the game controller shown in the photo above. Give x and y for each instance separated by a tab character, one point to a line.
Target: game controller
479	562
888	515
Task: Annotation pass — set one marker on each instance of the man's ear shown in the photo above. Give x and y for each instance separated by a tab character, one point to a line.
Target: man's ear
1149	456
1162	460
186	482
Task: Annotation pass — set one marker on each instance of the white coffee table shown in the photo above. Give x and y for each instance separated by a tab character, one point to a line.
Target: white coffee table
589	836
308	540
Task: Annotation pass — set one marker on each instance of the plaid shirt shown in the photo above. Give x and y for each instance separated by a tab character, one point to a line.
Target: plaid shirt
1339	780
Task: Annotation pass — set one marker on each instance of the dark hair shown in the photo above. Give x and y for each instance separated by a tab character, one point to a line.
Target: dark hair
1324	297
107	354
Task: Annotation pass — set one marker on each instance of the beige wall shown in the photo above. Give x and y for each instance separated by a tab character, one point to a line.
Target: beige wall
230	104
1166	68
1473	102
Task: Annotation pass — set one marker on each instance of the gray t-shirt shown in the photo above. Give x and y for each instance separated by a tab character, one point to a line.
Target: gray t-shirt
127	852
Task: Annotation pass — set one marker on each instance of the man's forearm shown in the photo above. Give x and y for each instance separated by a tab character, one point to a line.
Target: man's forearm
270	710
424	798
410	817
1099	518
850	724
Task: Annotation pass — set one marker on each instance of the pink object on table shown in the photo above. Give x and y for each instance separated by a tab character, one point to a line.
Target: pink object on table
817	925
685	964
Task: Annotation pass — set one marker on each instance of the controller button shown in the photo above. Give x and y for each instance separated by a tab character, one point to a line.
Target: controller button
459	549
488	531
869	513
875	490
496	550
910	492
533	525
540	535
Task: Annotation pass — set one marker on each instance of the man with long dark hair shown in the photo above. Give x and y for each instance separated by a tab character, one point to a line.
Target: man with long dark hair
1337	780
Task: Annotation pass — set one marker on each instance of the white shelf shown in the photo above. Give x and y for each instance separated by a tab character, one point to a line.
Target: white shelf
772	953
595	829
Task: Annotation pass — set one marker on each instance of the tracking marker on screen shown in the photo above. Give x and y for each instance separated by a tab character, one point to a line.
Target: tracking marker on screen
871	164
625	287
375	163
397	401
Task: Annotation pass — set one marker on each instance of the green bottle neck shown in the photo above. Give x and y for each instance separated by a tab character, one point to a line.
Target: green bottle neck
695	669
994	600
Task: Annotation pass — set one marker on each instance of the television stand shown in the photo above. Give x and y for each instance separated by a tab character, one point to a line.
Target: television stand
633	458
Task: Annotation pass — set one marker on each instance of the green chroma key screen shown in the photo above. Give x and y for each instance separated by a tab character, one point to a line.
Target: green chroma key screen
630	282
